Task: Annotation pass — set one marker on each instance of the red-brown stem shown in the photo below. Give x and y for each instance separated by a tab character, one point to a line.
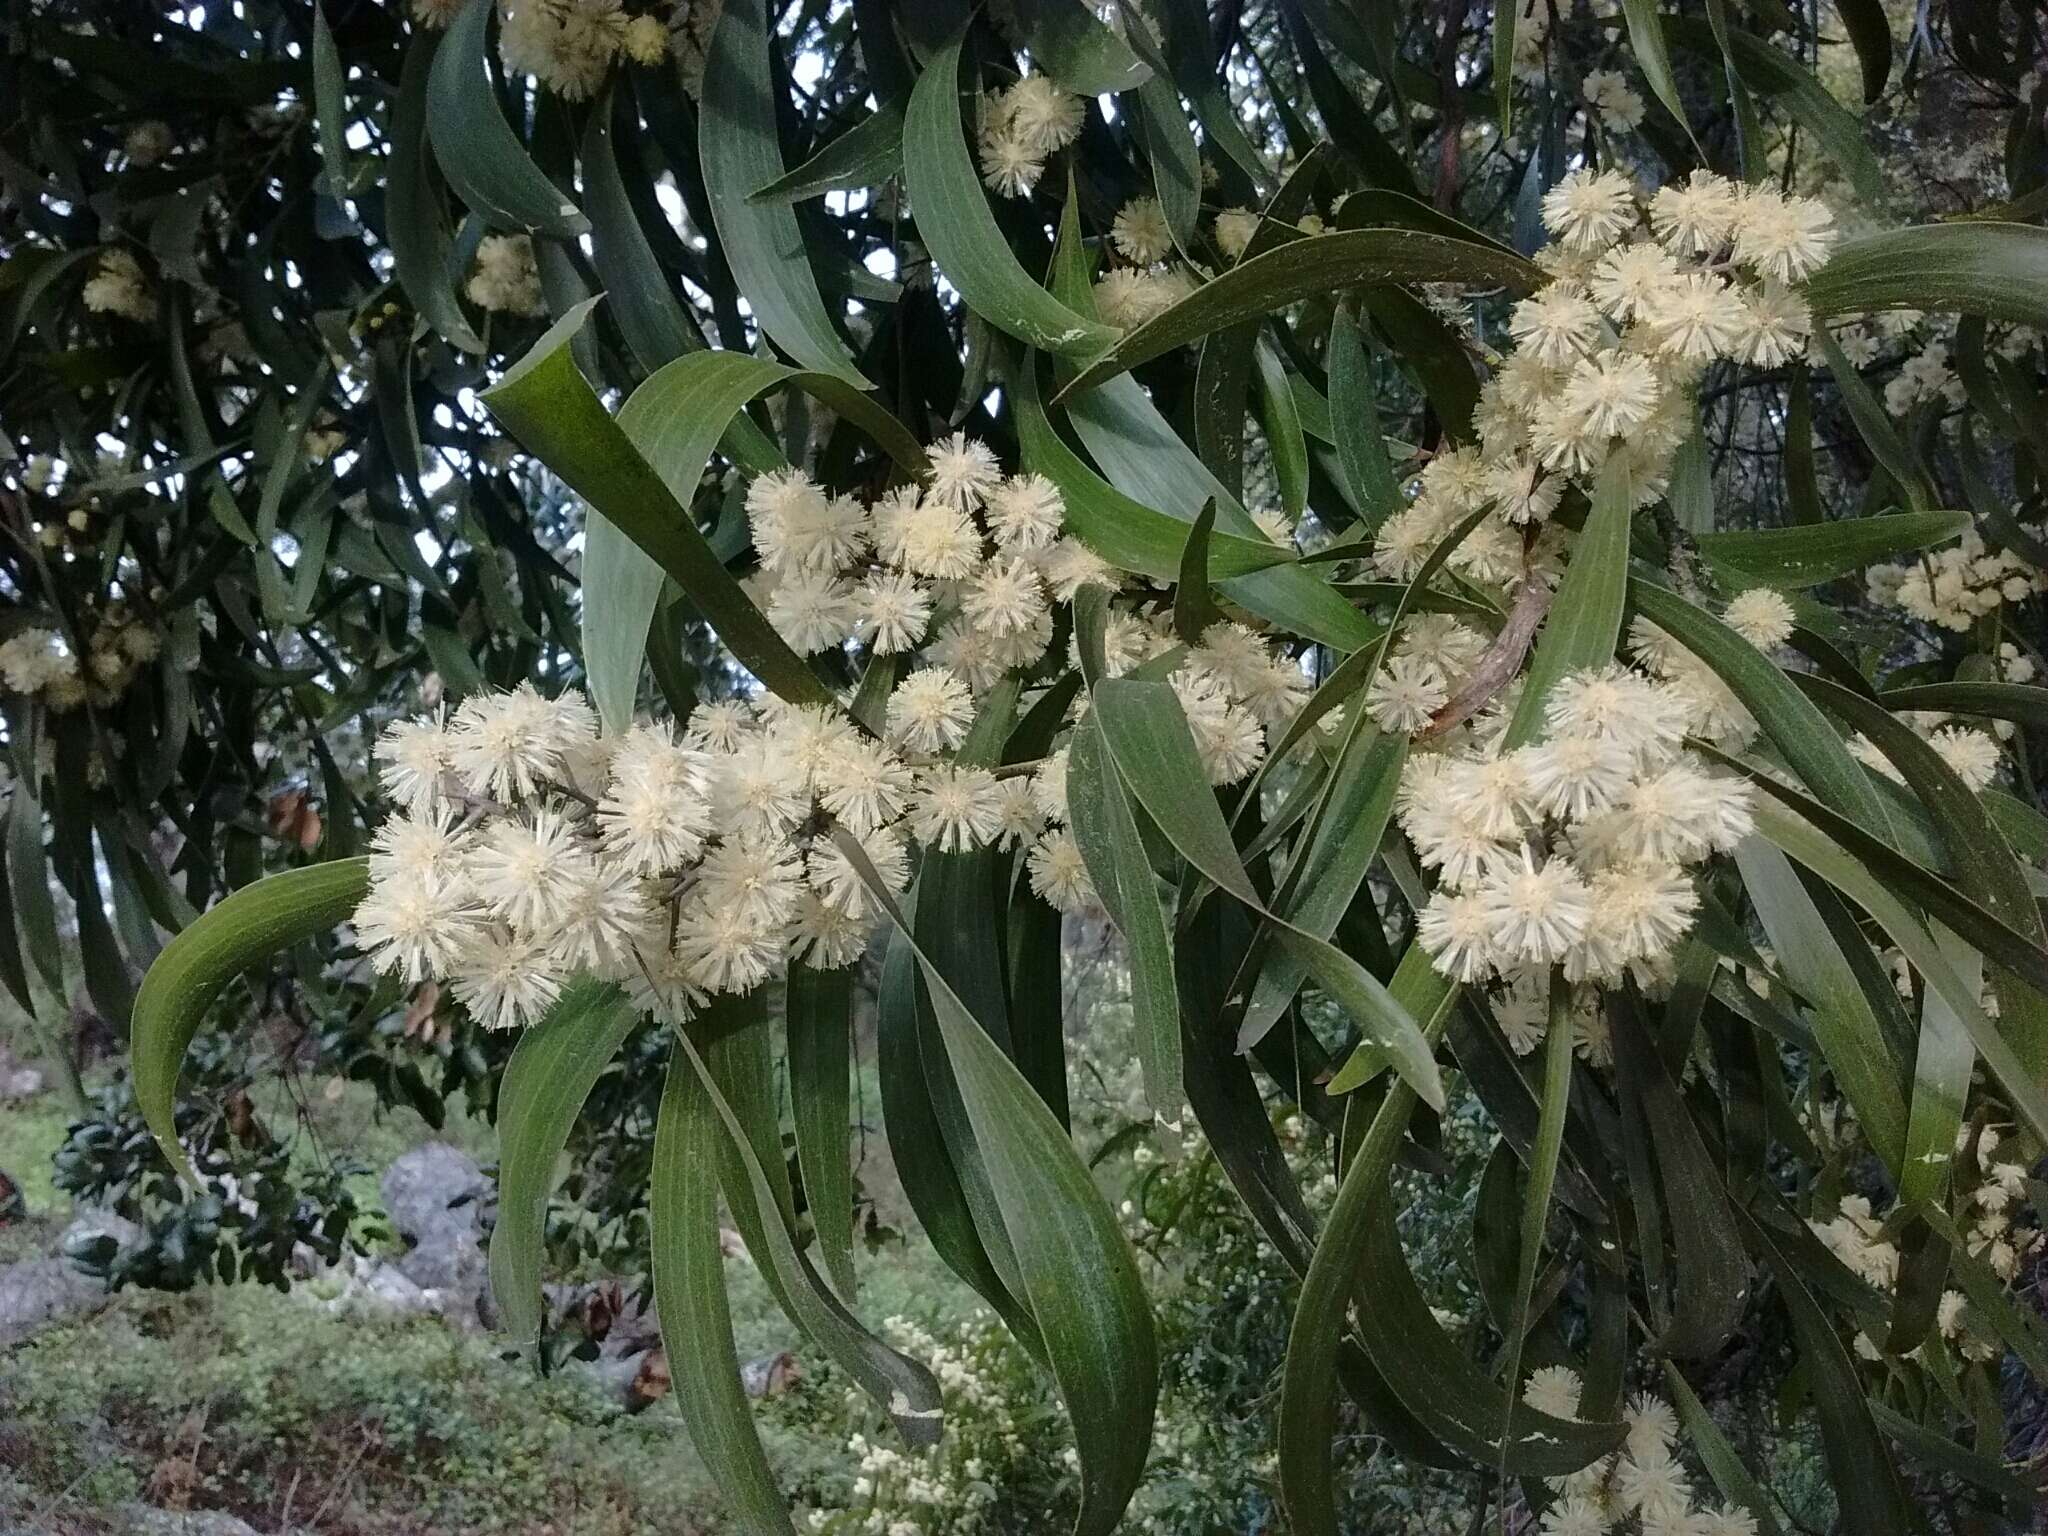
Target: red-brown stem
1503	659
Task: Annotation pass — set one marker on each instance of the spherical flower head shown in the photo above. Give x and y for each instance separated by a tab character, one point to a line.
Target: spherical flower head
148	142
1071	565
1652	1426
1490	554
1538	912
968	653
506	980
955	809
524	869
505	278
1728	1520
814	611
1554	1390
1042	114
509	746
1698	217
1574	1515
1555	325
1049	786
865	785
1141	233
1589	210
118	287
719	725
645	40
1406	540
1026	512
1973	754
1229	741
1059	875
1458	934
1613	394
1785	239
1641	910
1004	597
1653	1486
836	879
1615	704
608	915
660	983
1701	318
1573	778
726	948
930	711
1613	100
757	876
963	472
1762	617
1522	493
1775	325
1234	230
1490	795
1630	280
823	534
894	612
1018	818
941	543
426	843
1406	694
757	791
1010	163
655	814
417	923
415	758
826	937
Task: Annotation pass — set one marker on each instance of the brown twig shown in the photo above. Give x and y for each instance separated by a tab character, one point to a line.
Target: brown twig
1503	659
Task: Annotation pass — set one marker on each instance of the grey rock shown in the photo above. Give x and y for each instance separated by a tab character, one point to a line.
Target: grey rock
436	1197
93	1221
142	1520
37	1293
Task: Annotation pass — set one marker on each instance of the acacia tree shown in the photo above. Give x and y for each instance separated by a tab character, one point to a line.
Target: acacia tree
1368	500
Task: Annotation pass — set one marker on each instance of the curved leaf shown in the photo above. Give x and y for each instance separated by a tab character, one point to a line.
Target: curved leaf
476	148
954	221
819	1016
245	929
552	1070
1584	623
690	1302
740	153
1080	1279
869	152
1300	269
1996	270
1808	554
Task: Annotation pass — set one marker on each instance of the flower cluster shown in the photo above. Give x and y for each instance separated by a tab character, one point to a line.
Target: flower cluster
1958	585
118	286
1573	852
1144	283
1644	1482
951	1486
1612	101
1644	295
41	661
1034	118
505	278
971	563
530	850
1995	1189
567	45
